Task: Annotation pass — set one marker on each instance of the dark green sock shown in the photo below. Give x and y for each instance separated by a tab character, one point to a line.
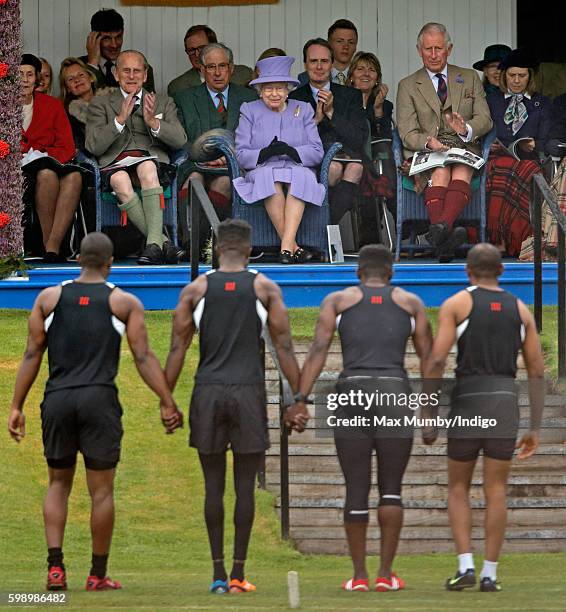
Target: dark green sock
151	203
133	208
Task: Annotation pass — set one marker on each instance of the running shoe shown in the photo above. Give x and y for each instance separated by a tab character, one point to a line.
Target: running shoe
241	586
219	587
487	585
56	579
94	583
461	581
389	584
361	585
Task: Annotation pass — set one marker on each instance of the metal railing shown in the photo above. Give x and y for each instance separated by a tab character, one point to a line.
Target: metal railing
540	191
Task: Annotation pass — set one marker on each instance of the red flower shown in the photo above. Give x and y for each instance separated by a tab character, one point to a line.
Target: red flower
4	146
3	2
4	219
3	67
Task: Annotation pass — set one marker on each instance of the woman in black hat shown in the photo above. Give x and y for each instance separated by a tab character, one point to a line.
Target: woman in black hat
56	185
489	65
522	120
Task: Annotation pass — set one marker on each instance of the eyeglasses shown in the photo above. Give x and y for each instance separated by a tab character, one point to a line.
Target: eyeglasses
72	78
194	50
220	67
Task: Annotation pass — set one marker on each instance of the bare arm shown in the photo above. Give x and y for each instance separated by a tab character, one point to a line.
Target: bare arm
181	336
29	367
534	363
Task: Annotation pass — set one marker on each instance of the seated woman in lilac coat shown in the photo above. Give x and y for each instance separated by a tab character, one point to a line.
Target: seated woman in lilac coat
277	143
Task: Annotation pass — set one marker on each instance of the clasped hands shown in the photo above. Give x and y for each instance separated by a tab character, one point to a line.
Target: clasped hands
171	417
296	416
278	147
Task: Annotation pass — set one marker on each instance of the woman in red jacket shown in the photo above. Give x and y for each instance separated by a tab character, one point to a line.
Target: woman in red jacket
46	129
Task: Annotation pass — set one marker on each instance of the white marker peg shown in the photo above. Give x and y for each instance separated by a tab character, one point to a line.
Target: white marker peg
293	588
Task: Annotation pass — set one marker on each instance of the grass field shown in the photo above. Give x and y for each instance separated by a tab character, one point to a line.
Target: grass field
160	549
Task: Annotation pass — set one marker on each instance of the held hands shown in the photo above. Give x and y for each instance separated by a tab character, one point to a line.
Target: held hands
93	48
457	123
296	416
527	445
17	424
278	147
429	434
149	106
327	99
171	417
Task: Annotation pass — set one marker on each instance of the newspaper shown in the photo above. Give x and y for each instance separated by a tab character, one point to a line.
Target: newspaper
513	148
127	162
426	160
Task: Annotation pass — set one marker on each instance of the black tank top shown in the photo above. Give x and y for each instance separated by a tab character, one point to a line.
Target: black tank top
83	337
230	319
374	334
490	338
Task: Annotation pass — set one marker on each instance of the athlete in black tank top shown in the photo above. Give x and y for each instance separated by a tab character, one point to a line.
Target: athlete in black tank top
229	308
375	321
490	326
83	337
80	324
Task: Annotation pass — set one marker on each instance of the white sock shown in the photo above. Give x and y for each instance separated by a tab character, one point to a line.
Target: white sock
489	570
465	562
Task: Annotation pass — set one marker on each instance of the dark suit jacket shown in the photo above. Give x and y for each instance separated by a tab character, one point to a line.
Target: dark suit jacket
536	126
557	132
242	76
102	81
348	124
198	114
49	130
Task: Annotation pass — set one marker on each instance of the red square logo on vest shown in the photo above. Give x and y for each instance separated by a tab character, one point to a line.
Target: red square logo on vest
376	299
84	300
495	306
230	286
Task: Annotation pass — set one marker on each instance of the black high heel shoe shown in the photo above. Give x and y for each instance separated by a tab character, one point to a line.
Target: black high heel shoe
286	257
302	255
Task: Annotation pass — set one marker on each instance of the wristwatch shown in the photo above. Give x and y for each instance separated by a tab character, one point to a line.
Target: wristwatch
299	397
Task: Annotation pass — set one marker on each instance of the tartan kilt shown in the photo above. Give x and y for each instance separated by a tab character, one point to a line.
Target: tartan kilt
508	188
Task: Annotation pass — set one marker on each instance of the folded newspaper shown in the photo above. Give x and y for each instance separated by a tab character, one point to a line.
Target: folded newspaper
426	160
127	161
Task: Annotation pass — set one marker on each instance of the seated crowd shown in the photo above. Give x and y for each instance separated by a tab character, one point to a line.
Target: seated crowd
109	112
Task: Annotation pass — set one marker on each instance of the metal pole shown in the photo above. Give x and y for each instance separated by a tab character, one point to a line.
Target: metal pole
561	270
284	467
537	231
194	214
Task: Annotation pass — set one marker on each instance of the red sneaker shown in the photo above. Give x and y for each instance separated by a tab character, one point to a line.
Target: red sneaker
356	585
56	579
389	584
94	583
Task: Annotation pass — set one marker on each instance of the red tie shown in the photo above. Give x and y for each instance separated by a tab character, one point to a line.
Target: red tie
442	90
220	108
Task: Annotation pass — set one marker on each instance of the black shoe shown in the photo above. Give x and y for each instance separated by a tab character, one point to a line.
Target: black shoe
437	233
53	258
447	249
171	253
487	585
302	255
152	255
461	581
286	257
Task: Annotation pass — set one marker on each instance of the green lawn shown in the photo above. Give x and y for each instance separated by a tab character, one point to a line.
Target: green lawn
160	549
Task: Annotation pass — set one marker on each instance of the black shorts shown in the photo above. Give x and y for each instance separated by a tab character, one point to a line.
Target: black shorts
234	416
85	419
468	449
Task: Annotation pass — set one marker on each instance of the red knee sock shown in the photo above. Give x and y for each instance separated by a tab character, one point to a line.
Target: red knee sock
434	202
221	203
457	197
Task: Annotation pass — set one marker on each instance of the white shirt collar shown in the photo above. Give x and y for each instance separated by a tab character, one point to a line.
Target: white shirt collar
138	95
334	72
525	94
224	93
443	72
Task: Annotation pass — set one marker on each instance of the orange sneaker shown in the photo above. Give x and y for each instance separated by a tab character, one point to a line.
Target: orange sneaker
56	579
94	583
389	584
241	586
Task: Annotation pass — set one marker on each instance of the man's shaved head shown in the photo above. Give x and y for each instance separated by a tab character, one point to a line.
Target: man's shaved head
375	260
96	250
484	261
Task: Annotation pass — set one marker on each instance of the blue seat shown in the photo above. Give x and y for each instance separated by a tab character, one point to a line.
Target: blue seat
411	208
312	230
107	211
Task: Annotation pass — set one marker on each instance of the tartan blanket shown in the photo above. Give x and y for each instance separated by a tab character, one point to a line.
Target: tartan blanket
508	189
549	224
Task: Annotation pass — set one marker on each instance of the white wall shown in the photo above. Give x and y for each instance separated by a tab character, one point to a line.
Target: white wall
56	29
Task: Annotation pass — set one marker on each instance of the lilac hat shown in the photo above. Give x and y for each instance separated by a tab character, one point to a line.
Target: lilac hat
275	70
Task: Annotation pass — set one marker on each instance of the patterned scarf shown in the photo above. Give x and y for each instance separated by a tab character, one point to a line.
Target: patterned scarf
516	113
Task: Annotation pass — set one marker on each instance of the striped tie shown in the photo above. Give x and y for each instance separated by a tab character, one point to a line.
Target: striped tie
220	108
442	90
